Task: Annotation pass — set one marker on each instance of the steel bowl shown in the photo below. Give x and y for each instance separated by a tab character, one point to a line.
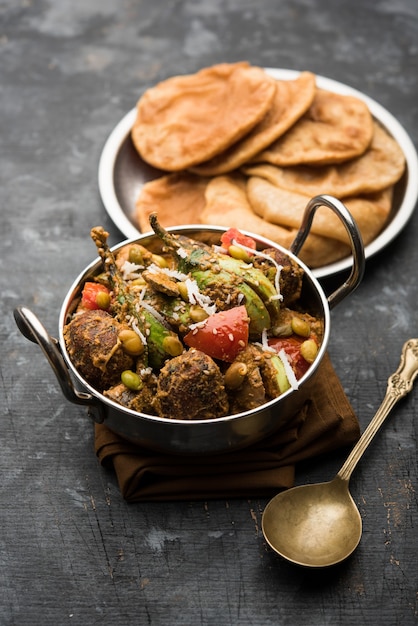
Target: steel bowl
212	436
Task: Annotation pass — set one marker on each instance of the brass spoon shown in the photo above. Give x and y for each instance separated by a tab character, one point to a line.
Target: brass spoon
319	525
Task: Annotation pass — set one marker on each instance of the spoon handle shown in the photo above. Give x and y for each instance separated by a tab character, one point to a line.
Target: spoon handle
399	385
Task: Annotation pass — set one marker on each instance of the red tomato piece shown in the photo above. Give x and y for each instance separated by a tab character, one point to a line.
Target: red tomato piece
232	235
89	296
291	345
222	335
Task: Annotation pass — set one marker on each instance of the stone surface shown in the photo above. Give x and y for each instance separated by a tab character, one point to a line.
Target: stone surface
71	550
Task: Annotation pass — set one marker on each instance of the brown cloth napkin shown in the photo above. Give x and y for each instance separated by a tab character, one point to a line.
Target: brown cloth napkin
326	422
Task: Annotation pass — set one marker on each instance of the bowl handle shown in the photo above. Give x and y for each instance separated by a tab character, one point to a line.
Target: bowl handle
356	242
30	326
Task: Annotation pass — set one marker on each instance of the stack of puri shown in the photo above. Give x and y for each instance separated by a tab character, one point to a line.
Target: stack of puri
238	148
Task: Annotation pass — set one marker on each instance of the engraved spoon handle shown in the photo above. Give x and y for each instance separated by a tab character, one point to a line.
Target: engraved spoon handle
399	385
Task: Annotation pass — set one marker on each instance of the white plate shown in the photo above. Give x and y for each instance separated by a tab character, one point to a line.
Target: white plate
122	173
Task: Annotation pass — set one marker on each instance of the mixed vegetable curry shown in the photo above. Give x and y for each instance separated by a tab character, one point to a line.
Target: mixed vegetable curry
197	332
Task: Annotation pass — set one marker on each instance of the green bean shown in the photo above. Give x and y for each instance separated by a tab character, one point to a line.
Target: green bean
309	350
131	380
300	327
235	375
136	255
237	252
131	343
103	300
172	345
197	313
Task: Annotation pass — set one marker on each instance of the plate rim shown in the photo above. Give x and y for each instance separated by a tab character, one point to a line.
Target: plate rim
122	129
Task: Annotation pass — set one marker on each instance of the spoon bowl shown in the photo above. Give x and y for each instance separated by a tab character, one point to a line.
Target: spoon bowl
292	518
320	525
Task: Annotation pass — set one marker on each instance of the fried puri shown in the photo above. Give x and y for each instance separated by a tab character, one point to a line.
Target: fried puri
186	120
334	129
230	164
292	99
379	167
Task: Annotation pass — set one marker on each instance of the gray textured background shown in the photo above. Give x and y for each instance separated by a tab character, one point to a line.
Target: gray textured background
71	551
